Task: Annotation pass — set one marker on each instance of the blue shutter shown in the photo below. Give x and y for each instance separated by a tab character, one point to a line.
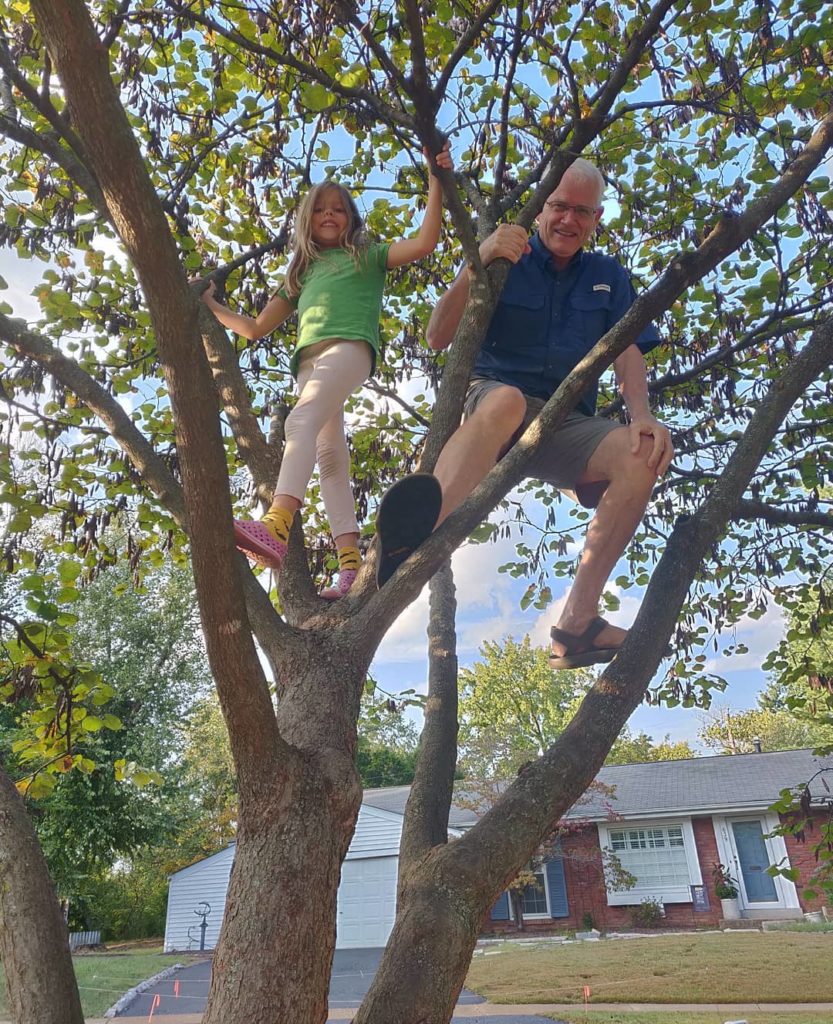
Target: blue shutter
557	887
500	911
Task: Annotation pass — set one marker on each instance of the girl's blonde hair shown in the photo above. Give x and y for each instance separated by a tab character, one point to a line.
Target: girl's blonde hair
305	250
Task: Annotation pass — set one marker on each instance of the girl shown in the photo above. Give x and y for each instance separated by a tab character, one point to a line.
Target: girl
335	281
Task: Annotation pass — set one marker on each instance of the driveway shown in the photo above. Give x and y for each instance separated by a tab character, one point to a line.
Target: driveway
353	970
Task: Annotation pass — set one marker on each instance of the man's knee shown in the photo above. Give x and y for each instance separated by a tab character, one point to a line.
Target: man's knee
503	409
615	460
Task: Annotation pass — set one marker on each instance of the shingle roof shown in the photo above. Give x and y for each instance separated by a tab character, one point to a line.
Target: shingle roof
725	782
694	786
394	798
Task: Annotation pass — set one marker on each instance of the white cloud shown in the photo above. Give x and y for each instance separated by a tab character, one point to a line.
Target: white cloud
758	635
487	606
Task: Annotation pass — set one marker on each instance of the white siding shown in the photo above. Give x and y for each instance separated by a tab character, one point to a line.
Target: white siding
377	834
206	880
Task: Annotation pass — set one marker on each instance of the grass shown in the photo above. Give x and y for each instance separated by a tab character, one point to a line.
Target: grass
788	967
580	1017
104	977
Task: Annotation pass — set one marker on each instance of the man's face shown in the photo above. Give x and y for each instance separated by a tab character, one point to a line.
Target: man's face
562	231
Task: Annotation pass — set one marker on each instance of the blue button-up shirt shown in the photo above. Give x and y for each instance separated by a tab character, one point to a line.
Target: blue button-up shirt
547	320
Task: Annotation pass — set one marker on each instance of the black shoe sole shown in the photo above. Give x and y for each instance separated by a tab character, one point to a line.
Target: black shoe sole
407	516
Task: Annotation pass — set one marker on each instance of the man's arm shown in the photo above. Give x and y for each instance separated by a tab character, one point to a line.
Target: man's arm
508	241
632	380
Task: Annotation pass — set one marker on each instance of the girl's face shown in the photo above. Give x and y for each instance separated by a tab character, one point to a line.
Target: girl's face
330	219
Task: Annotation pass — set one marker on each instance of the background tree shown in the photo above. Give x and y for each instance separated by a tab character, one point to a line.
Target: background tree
630	749
183	130
513	707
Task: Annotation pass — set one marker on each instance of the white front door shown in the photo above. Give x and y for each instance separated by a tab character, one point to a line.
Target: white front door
747	850
366	902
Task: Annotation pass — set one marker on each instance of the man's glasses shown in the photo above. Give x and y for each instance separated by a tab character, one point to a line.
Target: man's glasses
584	213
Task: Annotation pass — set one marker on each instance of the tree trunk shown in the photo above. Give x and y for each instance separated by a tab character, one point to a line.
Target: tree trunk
281	911
414	984
34	949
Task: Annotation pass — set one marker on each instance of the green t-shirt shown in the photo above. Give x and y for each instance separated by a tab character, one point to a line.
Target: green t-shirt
340	300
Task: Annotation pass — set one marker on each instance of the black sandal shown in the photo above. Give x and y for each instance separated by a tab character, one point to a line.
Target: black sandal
407	516
579	651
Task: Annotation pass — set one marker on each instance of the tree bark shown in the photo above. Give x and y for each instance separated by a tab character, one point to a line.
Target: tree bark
426	813
274	958
34	949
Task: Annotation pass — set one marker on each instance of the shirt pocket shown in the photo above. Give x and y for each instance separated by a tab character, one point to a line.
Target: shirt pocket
518	324
587	318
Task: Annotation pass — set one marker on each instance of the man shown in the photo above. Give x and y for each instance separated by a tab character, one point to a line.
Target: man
557	302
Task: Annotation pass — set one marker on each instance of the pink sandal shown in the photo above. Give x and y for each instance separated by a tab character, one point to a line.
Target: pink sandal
345	581
258	543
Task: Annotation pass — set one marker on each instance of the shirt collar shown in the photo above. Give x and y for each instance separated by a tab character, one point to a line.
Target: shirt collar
544	257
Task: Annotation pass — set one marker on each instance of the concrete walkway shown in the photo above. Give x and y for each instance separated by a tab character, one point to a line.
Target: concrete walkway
498	1014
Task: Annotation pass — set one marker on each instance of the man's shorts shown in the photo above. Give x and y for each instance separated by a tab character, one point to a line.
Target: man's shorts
567	453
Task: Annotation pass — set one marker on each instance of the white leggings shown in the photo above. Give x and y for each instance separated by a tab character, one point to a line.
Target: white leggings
328	374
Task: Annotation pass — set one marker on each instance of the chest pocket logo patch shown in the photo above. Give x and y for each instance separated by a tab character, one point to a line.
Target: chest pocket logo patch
601	287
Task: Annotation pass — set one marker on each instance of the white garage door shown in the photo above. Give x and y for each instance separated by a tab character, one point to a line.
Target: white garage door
366	902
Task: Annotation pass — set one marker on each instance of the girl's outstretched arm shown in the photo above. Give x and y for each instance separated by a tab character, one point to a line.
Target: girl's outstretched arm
271	316
410	249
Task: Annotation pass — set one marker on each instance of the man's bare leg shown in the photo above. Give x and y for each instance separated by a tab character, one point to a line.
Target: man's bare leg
617	516
473	449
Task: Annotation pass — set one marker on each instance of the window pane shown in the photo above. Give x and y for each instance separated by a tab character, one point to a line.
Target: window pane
656	856
535	896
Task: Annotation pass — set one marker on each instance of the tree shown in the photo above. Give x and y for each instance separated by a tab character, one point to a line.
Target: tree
795	709
513	707
182	131
146	644
738	732
630	749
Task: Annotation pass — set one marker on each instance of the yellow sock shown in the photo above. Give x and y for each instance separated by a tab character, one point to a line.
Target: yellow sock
349	558
278	521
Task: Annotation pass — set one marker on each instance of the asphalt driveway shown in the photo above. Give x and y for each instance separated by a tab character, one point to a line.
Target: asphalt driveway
353	970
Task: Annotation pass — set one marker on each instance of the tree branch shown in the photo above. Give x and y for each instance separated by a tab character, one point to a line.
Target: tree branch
747	509
382	110
148	464
262	461
426	813
465	42
262	756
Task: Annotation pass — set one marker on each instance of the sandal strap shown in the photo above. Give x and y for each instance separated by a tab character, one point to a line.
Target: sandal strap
577	644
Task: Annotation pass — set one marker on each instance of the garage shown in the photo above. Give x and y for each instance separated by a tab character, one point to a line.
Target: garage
366	896
366	902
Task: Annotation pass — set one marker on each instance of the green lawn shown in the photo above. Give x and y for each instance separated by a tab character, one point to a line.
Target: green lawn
736	967
104	977
580	1017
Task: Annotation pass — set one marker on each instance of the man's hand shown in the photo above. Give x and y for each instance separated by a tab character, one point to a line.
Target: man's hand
507	241
663	450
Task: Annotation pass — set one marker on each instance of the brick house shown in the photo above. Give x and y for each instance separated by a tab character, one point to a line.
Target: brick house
668	823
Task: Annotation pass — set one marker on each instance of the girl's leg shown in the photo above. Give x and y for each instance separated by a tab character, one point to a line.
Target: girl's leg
326	377
337	494
326	380
350	362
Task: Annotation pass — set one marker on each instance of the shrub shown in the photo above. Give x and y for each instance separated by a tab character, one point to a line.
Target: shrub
648	914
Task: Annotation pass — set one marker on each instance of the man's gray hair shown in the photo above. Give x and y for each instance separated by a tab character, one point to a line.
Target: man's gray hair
587	172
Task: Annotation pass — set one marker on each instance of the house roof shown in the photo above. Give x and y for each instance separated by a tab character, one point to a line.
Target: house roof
394	798
694	786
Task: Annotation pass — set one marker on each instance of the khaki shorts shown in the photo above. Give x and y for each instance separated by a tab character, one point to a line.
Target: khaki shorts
566	456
